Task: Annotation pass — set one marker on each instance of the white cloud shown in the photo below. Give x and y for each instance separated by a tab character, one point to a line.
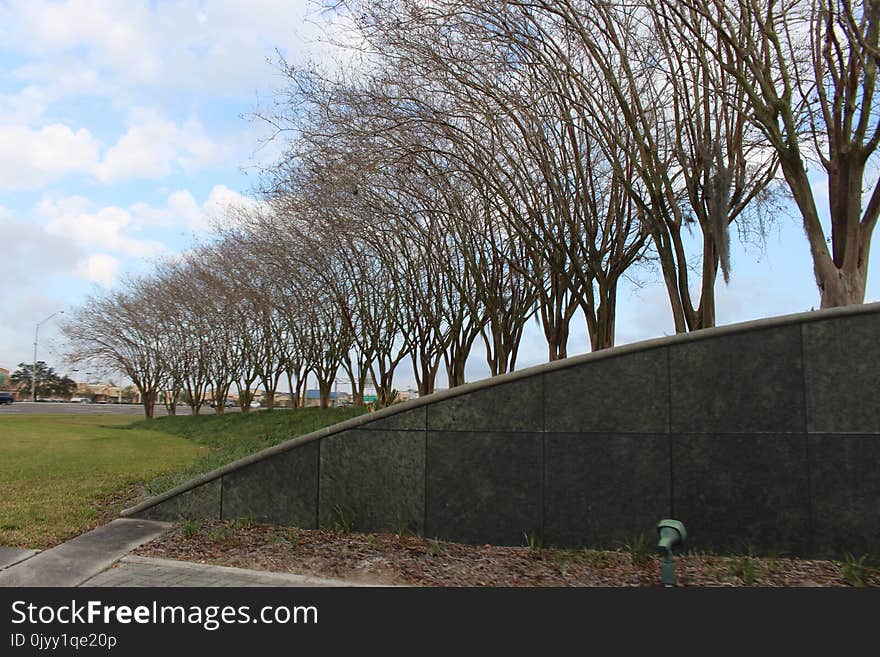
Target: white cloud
208	45
23	107
151	148
150	53
104	229
220	200
219	46
99	268
59	76
154	148
183	211
21	312
31	158
121	40
30	252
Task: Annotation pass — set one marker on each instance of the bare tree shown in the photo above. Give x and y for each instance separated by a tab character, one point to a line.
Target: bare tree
121	330
809	72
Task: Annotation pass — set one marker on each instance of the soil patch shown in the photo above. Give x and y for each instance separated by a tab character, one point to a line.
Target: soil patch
415	561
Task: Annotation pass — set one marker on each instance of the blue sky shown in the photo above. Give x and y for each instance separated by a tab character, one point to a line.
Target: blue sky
121	134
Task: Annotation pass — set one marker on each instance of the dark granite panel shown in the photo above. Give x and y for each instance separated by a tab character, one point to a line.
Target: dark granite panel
604	489
411	420
282	489
744	383
484	487
376	479
621	394
842	367
200	502
736	492
512	406
845	476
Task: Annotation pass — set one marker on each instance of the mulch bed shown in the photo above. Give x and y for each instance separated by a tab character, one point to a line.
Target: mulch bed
410	560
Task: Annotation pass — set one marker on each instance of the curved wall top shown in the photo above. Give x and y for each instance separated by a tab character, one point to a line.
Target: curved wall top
751	433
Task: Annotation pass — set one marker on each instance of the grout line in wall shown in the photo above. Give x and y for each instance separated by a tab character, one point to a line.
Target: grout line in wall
543	454
425	501
806	435
318	488
669	437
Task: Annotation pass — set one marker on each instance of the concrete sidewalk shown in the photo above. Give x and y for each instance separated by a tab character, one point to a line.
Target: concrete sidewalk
11	556
80	558
144	571
100	558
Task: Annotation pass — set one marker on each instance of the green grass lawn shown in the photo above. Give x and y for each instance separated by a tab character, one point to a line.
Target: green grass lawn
58	472
236	435
61	475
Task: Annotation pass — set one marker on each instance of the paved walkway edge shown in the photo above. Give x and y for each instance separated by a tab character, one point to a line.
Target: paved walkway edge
134	570
11	556
83	557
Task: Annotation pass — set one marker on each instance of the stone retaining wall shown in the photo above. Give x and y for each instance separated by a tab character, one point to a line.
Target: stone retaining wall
761	436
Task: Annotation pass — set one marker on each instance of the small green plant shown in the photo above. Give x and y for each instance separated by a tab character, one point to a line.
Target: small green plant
773	558
292	535
639	548
393	398
854	570
343	521
600	559
190	528
435	548
748	569
220	534
534	541
246	522
565	559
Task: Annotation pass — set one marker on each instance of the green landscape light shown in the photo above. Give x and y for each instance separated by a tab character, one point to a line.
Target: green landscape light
670	533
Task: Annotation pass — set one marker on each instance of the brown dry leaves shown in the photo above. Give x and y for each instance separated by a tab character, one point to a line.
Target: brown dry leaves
410	560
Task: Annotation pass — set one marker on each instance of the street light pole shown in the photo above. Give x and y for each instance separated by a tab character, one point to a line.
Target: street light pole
34	370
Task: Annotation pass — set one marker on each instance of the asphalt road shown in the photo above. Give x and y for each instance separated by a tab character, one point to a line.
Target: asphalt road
54	408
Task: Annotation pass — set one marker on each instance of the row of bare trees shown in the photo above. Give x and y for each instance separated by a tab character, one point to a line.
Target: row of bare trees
474	165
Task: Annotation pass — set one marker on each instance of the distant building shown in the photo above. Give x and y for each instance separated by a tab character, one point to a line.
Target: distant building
313	398
100	393
283	399
4	378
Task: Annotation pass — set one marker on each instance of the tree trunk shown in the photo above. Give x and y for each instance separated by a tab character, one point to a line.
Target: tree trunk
606	315
670	278
706	312
557	342
840	287
325	387
149	400
301	390
426	375
384	385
